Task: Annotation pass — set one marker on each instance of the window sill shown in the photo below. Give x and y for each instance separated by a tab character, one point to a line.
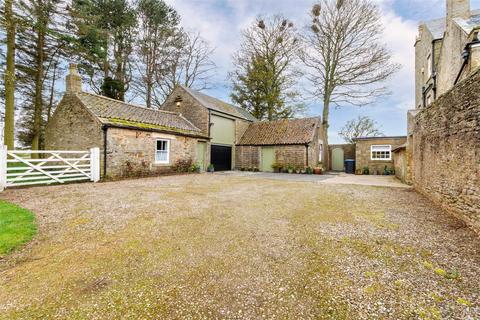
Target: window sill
161	164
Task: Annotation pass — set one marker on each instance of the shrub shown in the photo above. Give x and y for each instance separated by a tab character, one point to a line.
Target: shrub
182	165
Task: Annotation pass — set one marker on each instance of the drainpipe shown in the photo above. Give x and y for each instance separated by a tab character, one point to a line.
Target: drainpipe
104	128
306	153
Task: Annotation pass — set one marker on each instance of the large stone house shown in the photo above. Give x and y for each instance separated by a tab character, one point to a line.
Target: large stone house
446	51
190	127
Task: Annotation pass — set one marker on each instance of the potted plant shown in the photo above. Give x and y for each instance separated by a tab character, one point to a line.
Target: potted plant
276	167
211	168
290	168
195	168
255	169
366	170
308	170
317	169
298	170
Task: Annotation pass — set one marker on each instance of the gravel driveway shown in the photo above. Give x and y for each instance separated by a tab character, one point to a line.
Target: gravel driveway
213	246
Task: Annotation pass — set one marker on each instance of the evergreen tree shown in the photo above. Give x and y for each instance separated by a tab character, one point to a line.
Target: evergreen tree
265	75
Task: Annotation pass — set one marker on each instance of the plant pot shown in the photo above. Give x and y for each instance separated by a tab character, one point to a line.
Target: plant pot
290	170
317	170
211	170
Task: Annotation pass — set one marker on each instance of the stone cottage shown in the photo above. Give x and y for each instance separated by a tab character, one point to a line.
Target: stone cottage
133	140
287	142
376	153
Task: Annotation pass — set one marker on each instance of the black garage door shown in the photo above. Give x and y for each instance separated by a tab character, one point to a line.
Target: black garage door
221	158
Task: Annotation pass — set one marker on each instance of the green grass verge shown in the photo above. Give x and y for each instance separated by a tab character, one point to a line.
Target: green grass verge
17	226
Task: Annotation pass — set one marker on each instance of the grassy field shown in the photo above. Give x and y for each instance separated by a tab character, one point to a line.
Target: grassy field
17	226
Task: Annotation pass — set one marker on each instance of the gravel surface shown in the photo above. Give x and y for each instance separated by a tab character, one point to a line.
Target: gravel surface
231	247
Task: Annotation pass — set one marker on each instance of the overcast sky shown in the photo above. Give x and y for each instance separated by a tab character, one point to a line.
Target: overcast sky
221	21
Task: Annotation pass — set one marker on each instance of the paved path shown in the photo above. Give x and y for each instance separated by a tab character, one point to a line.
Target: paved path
329	178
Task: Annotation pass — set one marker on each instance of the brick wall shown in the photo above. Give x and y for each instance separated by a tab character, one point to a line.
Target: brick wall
363	154
296	155
247	157
446	151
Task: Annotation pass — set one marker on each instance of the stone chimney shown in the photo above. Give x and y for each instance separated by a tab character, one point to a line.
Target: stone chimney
73	81
458	9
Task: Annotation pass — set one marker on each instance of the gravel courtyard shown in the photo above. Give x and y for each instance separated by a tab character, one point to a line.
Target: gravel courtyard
220	246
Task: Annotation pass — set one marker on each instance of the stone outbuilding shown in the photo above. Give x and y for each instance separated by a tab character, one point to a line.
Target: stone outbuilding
190	128
287	142
133	140
224	123
375	153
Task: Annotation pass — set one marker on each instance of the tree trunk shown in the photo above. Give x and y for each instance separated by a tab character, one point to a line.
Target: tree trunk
37	118
52	91
326	111
9	128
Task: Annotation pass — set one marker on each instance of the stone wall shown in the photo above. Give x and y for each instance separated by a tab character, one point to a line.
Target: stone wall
446	150
72	127
348	152
363	153
189	108
400	164
132	152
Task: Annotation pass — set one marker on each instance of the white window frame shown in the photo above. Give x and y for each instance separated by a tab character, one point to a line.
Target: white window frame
168	151
386	147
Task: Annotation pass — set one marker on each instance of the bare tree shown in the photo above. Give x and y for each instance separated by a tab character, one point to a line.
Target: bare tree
346	59
362	126
190	64
266	73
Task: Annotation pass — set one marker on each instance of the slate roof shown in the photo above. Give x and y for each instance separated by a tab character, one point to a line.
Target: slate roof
438	26
219	105
280	132
121	114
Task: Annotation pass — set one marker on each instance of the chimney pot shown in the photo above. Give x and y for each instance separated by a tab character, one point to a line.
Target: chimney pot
73	80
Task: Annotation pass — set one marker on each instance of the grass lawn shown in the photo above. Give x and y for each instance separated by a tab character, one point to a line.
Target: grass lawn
17	226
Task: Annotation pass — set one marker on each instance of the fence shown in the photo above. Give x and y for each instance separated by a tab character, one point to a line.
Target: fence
19	168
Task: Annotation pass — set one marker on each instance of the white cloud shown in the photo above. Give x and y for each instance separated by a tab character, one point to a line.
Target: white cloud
221	22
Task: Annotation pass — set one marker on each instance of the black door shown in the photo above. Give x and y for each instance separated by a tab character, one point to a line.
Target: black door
221	158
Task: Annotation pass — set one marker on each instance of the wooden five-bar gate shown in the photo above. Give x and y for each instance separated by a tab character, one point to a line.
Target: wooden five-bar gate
32	167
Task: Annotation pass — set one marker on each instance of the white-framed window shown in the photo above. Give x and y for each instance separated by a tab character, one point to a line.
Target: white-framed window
381	152
162	151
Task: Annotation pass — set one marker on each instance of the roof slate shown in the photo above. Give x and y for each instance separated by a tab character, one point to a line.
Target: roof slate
219	105
118	113
438	26
280	132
